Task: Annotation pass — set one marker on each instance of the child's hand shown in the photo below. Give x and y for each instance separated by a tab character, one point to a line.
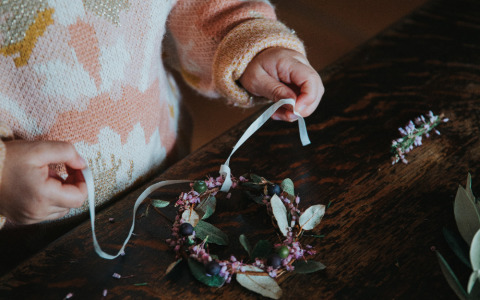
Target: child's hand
30	192
278	73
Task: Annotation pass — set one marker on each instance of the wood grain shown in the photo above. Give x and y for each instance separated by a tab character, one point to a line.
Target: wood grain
383	219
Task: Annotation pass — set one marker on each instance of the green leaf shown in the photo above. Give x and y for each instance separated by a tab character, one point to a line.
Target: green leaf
256	178
468	187
172	266
280	214
451	277
458	246
256	198
288	187
252	185
309	266
466	215
207	207
261	284
475	292
198	271
262	249
160	203
311	217
215	235
191	216
245	243
475	260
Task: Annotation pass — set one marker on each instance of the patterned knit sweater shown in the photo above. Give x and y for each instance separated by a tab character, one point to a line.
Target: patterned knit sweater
92	72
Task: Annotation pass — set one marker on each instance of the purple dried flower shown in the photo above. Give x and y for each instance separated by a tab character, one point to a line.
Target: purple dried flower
68	296
116	275
412	135
104	294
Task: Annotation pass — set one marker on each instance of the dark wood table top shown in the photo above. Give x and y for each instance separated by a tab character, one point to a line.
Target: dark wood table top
383	219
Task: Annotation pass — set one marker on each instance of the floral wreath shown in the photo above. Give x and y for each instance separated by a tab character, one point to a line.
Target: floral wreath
191	235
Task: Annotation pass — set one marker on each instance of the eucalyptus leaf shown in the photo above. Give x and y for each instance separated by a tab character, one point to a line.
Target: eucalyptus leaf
288	187
309	266
475	252
256	178
466	215
215	235
458	246
252	185
191	216
475	292
160	203
312	216
451	277
472	280
262	249
198	271
261	284
256	198
207	207
280	214
172	266
245	243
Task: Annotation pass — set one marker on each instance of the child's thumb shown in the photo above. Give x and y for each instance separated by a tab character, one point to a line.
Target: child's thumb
273	89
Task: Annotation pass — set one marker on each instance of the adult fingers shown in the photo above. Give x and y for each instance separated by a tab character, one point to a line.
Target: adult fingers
65	195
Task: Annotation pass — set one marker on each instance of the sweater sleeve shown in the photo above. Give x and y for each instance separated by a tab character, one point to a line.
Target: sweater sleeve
215	40
5	133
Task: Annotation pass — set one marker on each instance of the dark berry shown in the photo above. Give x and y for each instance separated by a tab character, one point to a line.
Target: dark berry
186	229
212	268
274	190
200	186
274	261
283	251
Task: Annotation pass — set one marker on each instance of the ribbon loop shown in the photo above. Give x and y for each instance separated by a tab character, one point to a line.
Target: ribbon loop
264	117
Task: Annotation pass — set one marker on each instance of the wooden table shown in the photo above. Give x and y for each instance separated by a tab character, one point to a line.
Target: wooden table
383	219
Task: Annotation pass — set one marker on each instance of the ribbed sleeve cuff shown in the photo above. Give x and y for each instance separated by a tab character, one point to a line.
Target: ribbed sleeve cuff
5	133
240	46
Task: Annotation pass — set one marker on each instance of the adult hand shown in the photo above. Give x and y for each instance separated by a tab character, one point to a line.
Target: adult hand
30	192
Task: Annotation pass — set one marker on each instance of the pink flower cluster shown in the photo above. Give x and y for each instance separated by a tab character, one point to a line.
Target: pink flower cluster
412	135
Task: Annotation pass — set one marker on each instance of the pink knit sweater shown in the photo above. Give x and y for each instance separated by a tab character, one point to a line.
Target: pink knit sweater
91	72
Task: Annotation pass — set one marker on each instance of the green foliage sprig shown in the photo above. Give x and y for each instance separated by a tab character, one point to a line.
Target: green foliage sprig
467	217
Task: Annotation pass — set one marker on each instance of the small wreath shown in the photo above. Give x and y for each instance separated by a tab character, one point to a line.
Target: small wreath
191	235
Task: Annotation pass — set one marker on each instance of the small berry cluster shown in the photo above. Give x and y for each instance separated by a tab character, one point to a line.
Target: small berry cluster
186	245
412	135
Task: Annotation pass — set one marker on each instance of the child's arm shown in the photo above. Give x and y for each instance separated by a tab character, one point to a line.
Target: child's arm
29	191
216	40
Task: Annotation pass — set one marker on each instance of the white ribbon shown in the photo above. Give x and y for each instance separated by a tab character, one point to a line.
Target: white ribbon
87	174
225	169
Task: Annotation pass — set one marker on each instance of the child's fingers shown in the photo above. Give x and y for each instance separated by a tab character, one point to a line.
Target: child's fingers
269	87
58	152
311	88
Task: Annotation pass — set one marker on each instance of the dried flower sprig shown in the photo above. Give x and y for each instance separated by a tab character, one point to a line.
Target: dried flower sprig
191	236
412	135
